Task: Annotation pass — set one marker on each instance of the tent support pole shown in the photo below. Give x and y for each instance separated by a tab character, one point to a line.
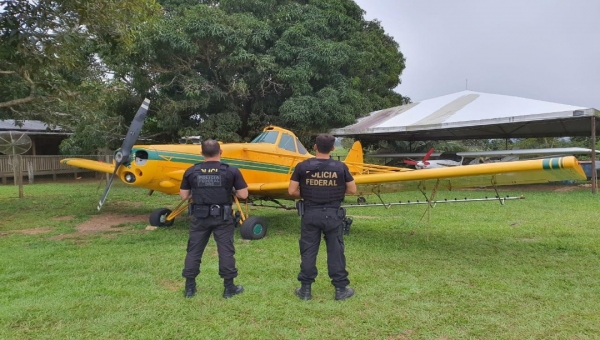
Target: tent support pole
594	173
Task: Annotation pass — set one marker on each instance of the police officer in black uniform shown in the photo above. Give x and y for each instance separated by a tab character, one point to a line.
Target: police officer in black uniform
322	184
210	185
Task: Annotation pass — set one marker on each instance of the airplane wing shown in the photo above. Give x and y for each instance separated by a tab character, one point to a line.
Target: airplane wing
515	152
480	175
89	164
519	152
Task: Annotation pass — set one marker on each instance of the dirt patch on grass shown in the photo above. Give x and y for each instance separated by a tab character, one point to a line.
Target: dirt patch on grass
63	218
35	231
172	285
567	189
102	223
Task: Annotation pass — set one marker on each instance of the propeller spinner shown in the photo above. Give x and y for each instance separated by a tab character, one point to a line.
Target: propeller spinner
123	155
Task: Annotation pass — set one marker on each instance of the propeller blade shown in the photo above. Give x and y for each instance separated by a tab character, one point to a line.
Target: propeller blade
122	156
428	155
108	185
410	162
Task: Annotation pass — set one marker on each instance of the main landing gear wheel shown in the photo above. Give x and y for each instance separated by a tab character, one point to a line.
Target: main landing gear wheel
361	200
253	228
158	218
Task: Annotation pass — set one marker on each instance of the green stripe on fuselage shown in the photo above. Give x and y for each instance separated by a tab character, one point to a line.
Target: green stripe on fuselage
191	159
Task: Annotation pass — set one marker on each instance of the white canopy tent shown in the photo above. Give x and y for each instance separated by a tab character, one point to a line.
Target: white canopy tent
473	115
476	115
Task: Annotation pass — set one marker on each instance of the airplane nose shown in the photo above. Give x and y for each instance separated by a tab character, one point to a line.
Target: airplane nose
138	171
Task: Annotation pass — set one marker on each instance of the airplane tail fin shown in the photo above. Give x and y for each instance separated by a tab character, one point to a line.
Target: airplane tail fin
355	158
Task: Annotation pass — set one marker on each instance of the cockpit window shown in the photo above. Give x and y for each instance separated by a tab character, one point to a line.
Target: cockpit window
287	143
301	149
266	137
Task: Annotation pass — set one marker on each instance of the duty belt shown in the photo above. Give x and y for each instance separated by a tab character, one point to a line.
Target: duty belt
321	206
212	205
215	210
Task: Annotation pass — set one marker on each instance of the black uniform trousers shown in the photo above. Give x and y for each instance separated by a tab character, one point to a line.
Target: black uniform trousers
329	222
200	231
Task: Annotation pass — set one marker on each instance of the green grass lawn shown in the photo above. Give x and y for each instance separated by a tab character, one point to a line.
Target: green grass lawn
524	270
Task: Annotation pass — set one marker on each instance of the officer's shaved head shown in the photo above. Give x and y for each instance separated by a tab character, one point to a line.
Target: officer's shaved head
210	148
325	143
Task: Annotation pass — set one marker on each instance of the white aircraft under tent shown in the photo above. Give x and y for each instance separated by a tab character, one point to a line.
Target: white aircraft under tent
477	115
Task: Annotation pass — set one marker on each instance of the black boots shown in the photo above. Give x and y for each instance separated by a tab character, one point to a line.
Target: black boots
190	288
304	292
343	293
232	290
340	293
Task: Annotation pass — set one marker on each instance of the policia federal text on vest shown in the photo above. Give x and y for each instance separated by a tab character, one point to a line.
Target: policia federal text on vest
323	185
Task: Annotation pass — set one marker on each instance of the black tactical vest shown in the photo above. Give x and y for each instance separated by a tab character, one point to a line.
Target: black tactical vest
323	183
210	186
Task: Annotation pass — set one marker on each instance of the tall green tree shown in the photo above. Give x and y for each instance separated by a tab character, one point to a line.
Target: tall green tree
57	59
225	69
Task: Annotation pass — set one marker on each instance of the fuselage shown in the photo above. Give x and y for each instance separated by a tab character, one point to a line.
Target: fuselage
270	158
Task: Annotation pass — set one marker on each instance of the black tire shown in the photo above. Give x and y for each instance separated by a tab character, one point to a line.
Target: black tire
361	200
253	228
158	218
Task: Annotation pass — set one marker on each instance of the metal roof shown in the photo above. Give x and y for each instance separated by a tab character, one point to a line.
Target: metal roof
473	115
32	127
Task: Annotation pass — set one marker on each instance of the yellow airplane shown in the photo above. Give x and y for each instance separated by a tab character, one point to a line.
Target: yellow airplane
267	163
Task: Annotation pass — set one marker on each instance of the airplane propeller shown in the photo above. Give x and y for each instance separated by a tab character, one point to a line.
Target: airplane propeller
122	156
422	163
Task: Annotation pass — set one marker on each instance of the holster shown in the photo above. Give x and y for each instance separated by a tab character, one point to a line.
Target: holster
347	224
227	213
347	221
300	207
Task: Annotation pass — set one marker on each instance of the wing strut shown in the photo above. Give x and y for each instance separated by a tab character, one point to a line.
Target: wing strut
500	199
429	200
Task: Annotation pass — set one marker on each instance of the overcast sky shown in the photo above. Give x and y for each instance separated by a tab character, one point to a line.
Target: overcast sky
540	49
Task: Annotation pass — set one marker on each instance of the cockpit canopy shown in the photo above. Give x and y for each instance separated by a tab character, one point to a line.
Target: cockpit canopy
282	139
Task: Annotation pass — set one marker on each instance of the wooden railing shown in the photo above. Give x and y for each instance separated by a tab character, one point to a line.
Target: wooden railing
31	166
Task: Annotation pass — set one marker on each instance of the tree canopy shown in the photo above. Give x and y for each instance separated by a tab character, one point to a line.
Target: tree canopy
50	49
221	69
226	69
56	60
